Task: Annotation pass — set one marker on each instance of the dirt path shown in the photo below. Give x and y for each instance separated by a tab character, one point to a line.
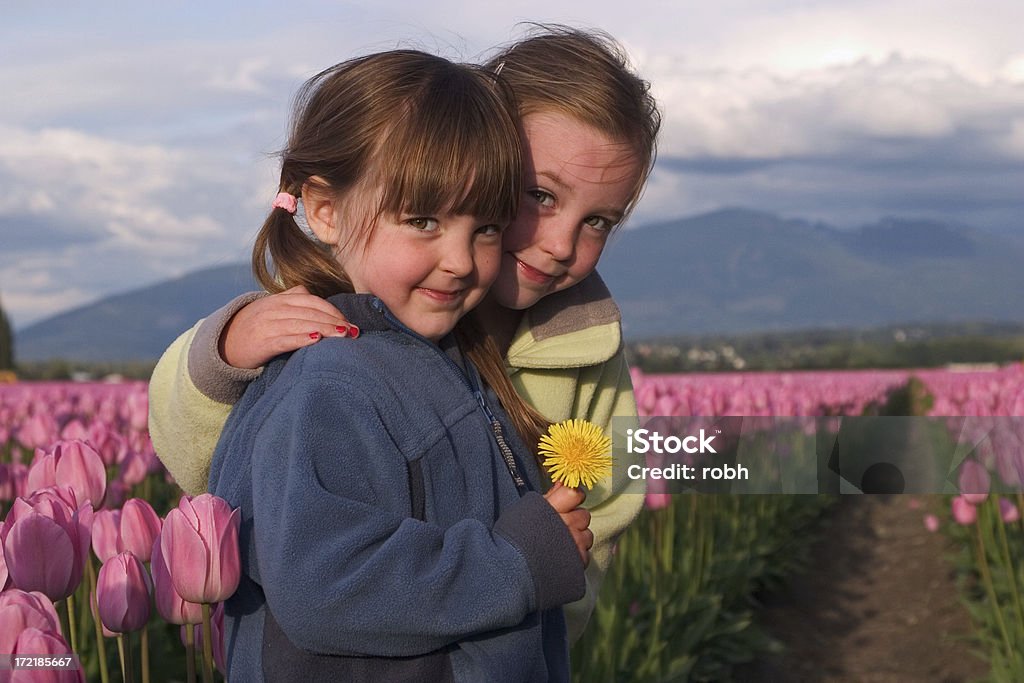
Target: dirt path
878	604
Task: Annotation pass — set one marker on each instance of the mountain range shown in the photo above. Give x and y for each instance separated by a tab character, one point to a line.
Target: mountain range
729	271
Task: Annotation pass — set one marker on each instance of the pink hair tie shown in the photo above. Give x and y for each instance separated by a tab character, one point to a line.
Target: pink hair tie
285	201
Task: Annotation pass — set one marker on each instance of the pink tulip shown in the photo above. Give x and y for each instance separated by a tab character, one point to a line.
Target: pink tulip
169	604
657	501
931	523
199	542
5	576
106	534
140	526
6	482
43	471
122	593
134	468
974	482
18	473
74	430
81	467
963	511
137	406
46	544
34	641
20	610
107	442
38	431
1009	511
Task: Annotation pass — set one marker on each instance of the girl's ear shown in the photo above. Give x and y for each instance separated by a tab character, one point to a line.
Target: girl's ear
320	204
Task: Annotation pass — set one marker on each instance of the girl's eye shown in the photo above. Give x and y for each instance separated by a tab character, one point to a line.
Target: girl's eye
492	229
424	224
543	198
599	223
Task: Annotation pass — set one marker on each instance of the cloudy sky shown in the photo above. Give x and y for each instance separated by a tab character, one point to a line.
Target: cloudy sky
136	141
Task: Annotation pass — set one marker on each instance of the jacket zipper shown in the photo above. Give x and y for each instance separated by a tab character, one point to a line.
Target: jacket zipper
496	428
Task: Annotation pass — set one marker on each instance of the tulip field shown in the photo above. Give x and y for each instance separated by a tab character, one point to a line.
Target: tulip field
102	555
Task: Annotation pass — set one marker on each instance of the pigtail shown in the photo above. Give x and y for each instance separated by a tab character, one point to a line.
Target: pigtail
283	257
482	351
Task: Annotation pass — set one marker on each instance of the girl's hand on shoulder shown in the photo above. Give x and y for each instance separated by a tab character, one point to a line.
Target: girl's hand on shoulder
280	323
566	502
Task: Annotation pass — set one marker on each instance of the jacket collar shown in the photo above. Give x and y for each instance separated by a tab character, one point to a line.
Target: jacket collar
576	327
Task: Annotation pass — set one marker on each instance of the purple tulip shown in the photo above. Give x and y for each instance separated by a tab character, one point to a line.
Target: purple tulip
1009	511
974	482
20	610
140	526
46	544
199	542
34	641
963	511
169	604
122	593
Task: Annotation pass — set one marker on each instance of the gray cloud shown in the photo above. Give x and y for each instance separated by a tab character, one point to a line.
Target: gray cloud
128	156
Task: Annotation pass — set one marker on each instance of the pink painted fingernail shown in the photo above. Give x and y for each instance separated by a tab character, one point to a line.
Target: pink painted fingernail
342	329
353	331
314	335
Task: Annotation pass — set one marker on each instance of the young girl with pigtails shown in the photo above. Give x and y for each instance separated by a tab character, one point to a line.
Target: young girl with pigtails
588	125
392	524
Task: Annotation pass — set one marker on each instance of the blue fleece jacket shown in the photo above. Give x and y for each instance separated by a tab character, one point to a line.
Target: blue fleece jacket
383	536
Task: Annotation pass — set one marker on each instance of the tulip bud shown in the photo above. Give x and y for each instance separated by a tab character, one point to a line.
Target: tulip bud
199	542
122	593
974	482
1009	511
963	512
931	523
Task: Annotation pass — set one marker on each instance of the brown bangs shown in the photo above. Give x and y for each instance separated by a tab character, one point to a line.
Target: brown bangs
455	149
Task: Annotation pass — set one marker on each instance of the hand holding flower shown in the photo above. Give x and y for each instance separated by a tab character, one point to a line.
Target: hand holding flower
566	502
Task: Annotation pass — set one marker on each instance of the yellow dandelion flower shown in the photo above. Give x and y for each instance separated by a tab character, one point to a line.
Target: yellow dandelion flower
576	452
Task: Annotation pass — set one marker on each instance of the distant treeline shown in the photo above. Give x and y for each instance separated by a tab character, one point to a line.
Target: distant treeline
904	346
59	369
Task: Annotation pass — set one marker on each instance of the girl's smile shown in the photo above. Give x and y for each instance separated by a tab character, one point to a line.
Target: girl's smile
578	183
